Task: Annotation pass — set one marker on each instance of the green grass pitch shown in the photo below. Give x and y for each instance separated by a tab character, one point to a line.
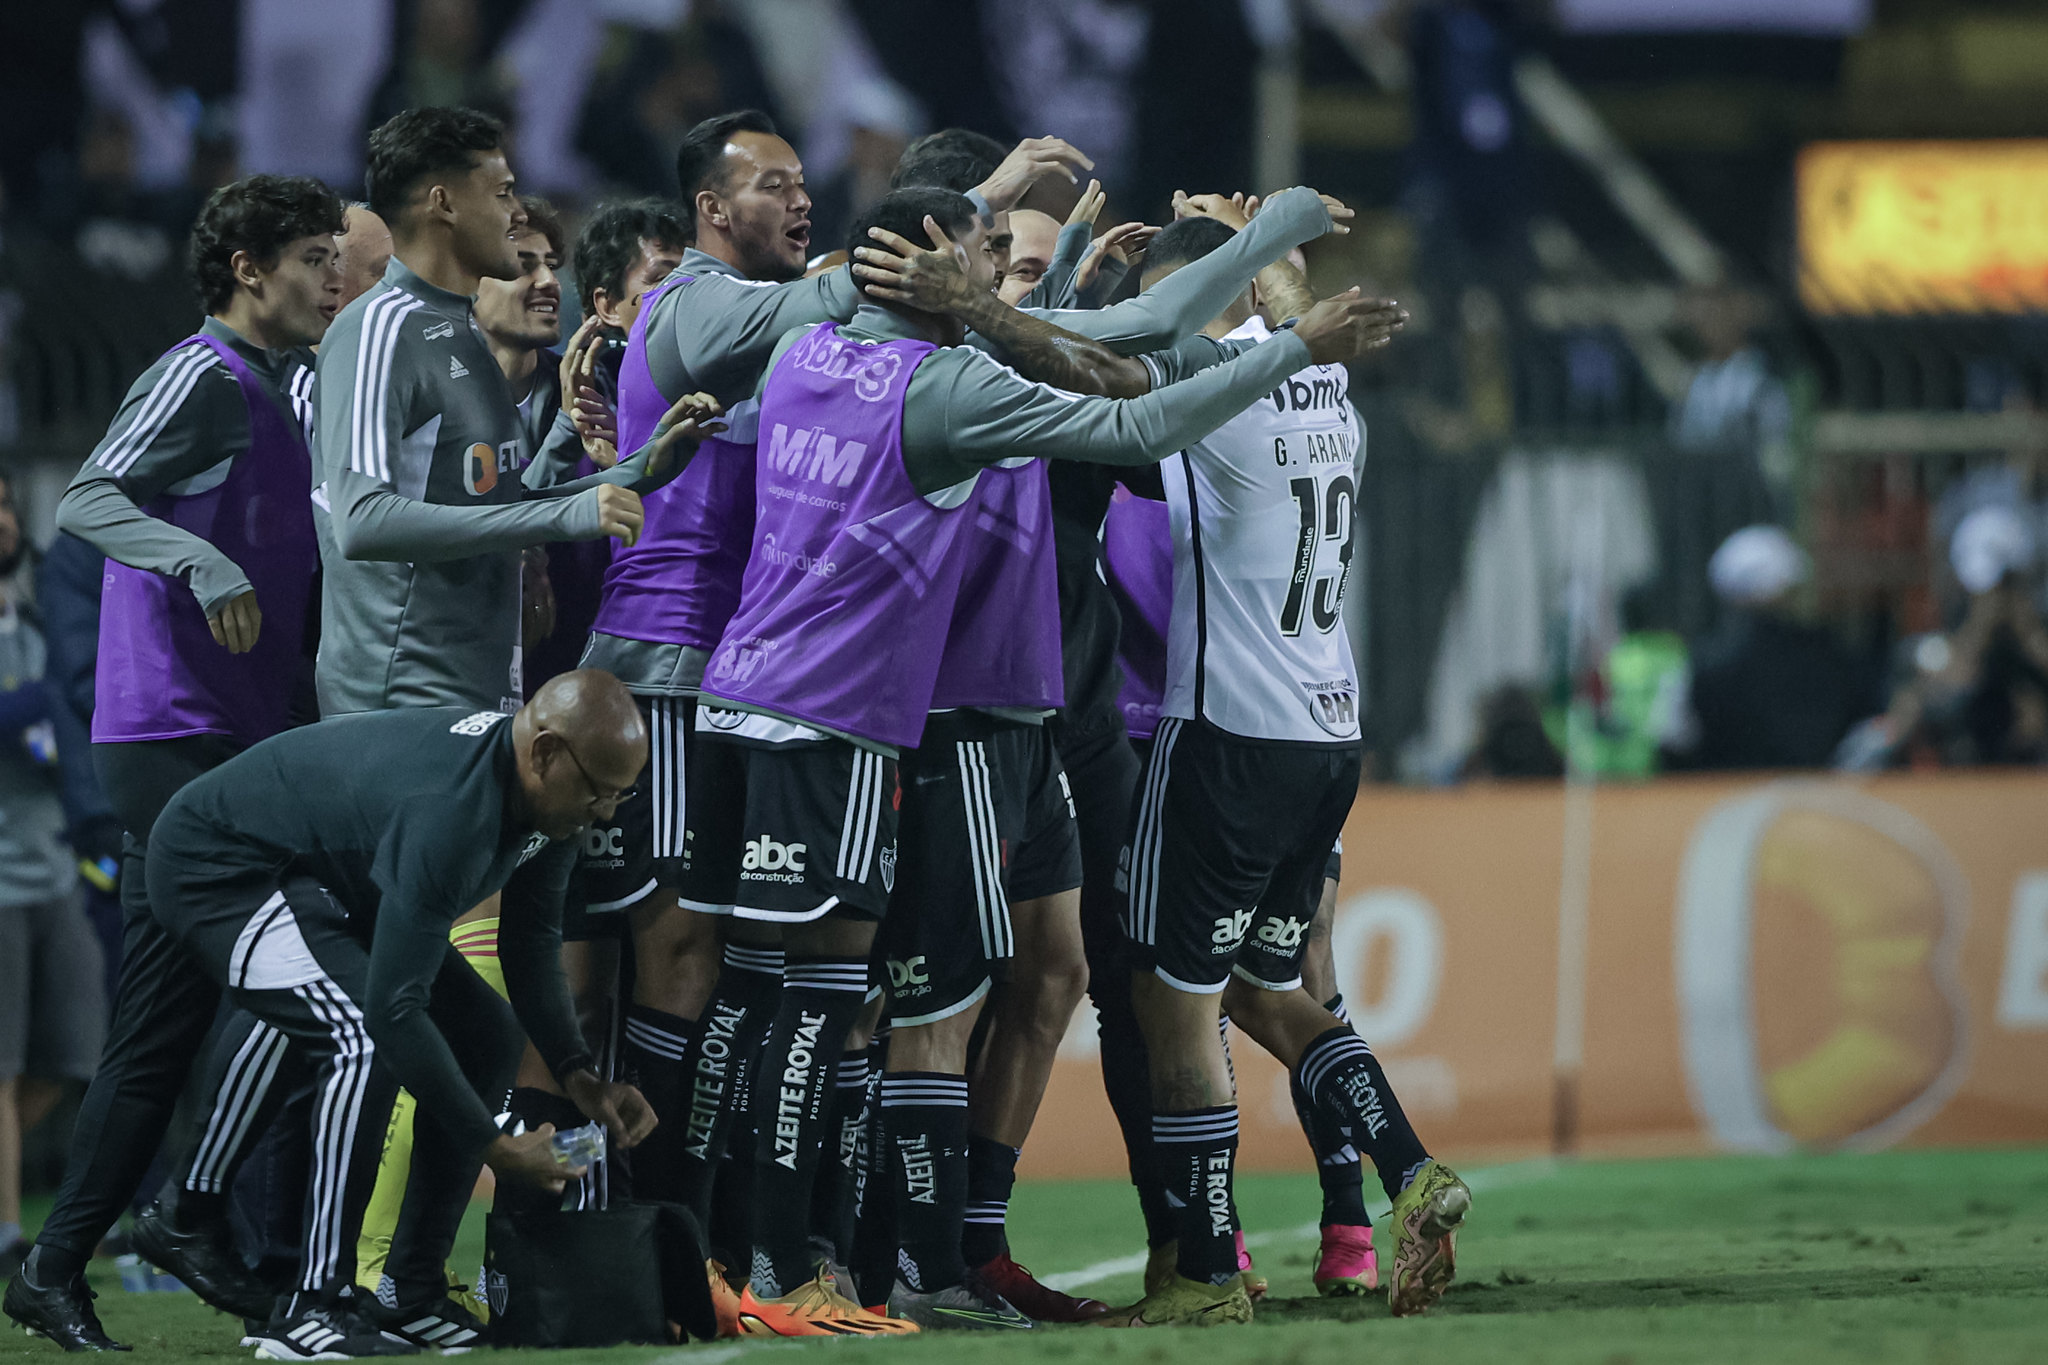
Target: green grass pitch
1937	1257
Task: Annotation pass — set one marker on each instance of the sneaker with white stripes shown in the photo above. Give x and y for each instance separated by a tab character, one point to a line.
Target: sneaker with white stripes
438	1324
307	1328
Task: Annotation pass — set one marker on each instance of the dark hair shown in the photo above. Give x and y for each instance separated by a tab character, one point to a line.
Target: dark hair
952	158
261	215
610	243
542	218
903	212
407	148
700	161
1184	241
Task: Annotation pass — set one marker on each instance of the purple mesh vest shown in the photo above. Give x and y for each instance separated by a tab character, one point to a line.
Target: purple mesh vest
854	574
1137	549
680	582
1003	648
161	675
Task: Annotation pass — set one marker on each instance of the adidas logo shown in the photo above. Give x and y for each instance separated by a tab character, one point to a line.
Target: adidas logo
456	369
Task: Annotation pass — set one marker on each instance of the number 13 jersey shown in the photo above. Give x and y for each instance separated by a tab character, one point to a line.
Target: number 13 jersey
1262	514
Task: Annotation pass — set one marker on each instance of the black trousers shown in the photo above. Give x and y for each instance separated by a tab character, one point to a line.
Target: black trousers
163	1007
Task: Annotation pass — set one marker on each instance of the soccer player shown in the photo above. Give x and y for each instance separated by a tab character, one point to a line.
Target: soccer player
521	319
365	252
315	879
197	497
1252	773
873	438
420	442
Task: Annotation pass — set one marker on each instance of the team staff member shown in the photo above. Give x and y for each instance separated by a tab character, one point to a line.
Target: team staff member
316	877
197	496
420	441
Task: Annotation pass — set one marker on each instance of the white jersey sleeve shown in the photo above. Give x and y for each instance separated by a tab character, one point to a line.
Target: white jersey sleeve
1262	530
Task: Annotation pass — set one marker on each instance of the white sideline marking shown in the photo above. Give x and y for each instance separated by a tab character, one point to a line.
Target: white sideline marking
1486	1178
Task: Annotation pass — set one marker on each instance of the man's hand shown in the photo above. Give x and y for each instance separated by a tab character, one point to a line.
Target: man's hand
1125	244
596	424
529	1159
930	280
686	423
619	513
1227	209
1089	206
237	624
624	1111
1339	328
1029	162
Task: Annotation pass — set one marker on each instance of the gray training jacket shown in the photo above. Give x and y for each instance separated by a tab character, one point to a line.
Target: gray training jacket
421	509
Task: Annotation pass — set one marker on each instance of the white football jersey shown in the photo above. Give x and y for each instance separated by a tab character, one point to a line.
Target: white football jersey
1262	511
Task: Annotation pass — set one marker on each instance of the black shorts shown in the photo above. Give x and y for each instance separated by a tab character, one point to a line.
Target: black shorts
1229	845
1046	858
621	863
948	937
789	832
1333	869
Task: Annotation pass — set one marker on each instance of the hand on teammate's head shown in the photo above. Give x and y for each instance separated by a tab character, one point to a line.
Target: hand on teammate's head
1347	325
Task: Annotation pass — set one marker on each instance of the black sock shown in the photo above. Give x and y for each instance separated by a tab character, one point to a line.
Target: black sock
731	1027
1344	1079
833	1194
657	1044
1338	1168
991	1174
873	1248
53	1267
1127	1080
925	1116
820	997
1197	1149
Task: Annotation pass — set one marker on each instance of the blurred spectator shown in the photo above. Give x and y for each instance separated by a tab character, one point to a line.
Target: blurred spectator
68	599
52	1009
442	59
1641	708
652	86
1512	741
1769	691
1734	405
1980	693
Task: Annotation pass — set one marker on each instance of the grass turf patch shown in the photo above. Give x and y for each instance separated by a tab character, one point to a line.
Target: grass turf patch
1809	1260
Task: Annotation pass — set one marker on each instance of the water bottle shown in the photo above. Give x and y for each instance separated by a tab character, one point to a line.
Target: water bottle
580	1146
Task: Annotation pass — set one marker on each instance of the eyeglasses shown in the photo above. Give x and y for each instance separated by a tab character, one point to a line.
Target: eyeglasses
618	798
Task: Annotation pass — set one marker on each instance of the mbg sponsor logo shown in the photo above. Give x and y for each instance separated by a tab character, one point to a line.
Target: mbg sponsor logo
1778	1053
908	973
1230	931
799	560
766	855
872	370
814	454
1322	387
476	723
1283	933
481	465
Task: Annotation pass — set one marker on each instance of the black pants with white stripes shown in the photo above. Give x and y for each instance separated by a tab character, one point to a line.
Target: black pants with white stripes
163	1009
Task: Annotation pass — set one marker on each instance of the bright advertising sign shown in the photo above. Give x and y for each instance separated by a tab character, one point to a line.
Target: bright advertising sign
1924	227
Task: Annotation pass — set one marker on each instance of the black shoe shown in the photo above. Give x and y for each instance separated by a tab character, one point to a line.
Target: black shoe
204	1261
63	1314
439	1324
971	1305
308	1328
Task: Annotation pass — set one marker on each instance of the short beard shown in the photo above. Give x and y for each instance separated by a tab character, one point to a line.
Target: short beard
12	560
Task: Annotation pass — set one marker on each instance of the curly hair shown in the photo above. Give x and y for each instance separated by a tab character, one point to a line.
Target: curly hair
262	215
610	243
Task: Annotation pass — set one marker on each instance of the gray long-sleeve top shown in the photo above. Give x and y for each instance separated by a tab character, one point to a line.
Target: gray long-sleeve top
181	424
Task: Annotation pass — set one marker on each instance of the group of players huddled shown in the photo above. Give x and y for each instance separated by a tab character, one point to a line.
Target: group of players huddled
811	704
